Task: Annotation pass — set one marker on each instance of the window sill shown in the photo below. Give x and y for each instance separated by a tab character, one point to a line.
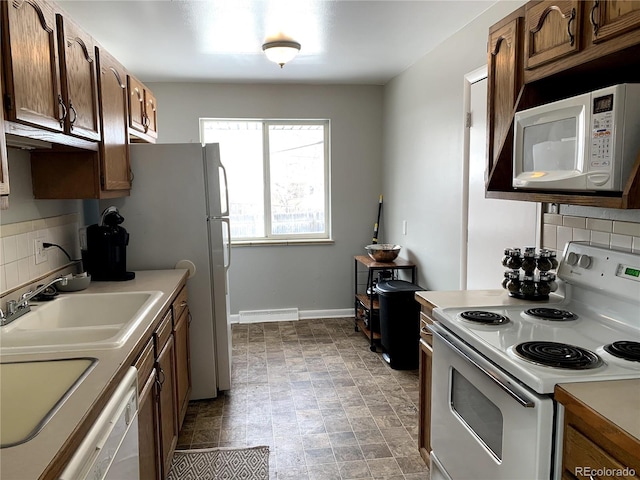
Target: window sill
265	243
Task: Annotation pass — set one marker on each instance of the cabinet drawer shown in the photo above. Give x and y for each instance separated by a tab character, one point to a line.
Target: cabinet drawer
180	303
144	364
163	332
425	334
581	453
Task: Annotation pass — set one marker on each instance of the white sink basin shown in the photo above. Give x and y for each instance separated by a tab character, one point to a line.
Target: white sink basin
78	321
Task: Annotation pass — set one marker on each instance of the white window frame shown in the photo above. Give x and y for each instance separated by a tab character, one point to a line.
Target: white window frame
279	239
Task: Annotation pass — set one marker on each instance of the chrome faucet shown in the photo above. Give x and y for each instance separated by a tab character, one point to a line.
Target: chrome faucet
16	309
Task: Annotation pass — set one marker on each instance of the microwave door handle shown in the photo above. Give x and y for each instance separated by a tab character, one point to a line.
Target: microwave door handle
525	402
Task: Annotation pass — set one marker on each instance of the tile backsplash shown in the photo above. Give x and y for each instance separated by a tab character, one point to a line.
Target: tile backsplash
559	229
18	265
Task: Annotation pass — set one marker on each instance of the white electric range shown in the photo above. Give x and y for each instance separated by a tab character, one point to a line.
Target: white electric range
495	368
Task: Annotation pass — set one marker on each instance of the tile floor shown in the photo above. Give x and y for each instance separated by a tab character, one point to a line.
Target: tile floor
327	406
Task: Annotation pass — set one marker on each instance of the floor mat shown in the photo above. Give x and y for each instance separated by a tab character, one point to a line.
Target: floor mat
220	464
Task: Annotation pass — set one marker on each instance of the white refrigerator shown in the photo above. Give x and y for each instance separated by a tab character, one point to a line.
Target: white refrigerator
178	210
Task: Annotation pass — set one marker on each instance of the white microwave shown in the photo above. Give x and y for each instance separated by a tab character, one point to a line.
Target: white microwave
584	143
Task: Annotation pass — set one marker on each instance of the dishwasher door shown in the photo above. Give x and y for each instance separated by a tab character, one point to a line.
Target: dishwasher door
110	449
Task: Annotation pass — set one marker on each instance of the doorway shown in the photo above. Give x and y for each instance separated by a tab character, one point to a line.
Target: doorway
489	225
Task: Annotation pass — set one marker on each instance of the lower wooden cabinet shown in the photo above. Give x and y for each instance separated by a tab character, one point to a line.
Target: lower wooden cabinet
148	441
593	447
164	386
183	364
168	419
424	382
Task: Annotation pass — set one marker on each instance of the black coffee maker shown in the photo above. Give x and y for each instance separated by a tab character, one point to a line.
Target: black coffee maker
104	255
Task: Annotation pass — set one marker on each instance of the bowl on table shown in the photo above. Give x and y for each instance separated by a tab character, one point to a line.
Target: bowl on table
383	252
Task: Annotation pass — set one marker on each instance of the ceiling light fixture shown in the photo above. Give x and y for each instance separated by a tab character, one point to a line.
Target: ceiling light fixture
281	51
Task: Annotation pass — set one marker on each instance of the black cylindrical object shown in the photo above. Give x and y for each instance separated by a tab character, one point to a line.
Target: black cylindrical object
399	323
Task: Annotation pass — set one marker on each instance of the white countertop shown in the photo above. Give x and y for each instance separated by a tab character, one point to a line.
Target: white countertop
30	460
474	298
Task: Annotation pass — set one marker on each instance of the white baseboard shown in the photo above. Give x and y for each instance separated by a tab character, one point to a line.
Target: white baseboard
286	315
333	313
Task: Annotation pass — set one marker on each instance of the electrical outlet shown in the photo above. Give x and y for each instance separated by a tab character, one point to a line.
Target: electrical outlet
404	227
40	252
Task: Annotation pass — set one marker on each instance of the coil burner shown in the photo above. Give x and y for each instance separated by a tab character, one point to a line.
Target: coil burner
624	349
558	355
484	318
552	314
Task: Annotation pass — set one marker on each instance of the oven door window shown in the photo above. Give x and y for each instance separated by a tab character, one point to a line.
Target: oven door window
482	417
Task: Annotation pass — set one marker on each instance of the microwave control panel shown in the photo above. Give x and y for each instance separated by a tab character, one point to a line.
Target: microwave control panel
602	132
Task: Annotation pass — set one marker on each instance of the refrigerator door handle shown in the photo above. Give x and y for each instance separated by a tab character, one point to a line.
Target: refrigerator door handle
228	244
226	191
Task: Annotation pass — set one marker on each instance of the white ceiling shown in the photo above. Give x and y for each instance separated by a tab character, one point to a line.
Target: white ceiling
343	41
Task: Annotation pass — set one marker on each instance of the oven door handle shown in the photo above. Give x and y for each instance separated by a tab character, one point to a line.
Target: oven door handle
525	402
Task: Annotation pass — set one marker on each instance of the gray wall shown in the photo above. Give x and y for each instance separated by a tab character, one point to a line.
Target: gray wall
423	151
309	277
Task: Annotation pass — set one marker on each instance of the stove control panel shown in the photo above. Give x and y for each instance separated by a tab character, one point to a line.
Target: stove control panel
597	267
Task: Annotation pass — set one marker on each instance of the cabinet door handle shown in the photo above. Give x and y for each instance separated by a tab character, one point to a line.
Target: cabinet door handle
75	114
161	378
64	110
183	304
572	19
592	17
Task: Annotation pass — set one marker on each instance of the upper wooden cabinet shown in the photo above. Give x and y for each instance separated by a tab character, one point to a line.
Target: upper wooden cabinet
568	47
612	18
32	78
4	166
62	90
505	80
114	148
552	30
50	70
143	115
105	173
79	80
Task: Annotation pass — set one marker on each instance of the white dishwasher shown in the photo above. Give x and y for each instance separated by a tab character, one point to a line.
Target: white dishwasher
110	449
